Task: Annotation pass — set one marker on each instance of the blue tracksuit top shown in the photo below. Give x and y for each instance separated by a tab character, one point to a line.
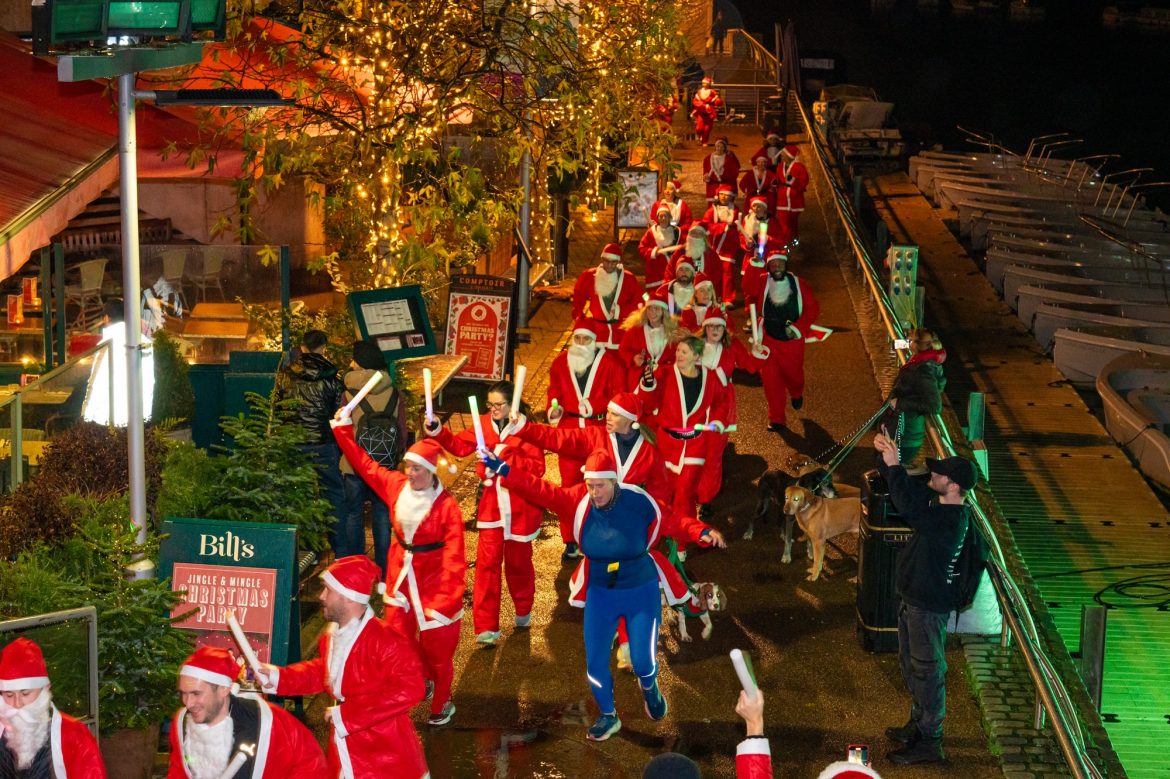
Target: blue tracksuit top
618	535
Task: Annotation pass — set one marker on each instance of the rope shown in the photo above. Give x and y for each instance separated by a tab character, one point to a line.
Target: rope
847	444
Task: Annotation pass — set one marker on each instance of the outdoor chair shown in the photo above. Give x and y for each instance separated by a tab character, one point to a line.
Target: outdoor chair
87	294
174	262
209	274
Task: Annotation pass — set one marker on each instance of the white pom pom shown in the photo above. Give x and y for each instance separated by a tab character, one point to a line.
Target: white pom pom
381	588
487	482
636	426
451	468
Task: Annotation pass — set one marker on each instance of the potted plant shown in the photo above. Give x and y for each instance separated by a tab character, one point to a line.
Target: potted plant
173	405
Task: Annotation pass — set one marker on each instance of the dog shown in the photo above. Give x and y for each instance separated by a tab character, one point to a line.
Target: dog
821	519
705	597
810	475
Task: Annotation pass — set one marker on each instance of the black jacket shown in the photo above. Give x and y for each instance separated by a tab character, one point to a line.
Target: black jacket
312	380
926	564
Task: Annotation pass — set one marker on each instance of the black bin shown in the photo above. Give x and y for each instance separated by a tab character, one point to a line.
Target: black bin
882	536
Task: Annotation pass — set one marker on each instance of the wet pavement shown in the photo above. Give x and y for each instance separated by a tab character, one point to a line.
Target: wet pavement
523	706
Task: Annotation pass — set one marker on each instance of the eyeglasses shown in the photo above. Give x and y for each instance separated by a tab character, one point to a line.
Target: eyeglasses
494	406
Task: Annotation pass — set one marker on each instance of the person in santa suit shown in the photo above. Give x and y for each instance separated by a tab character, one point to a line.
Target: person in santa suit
793	181
700	254
720	168
372	670
678	293
36	740
704	110
770	151
217	728
660	241
722	354
786	310
616	526
649	338
426	569
702	303
507	524
683	396
680	213
722	223
581	381
760	237
607	294
760	182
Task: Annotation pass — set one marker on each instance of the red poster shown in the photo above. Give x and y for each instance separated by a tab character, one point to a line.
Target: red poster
15	311
214	590
29	291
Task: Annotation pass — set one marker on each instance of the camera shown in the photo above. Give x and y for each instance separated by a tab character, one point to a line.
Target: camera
857	753
902	343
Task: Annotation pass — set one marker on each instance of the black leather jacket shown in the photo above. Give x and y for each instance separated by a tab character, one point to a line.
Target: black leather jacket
313	381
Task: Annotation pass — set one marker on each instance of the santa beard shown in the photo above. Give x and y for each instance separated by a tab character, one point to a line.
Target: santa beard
696	247
682	295
605	283
711	354
412	508
779	291
580	358
208	748
724	213
751	226
27	729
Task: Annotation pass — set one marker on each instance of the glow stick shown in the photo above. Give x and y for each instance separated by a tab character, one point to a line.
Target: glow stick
361	394
745	675
471	401
429	394
755	326
762	241
235	765
711	428
553	406
249	653
521	373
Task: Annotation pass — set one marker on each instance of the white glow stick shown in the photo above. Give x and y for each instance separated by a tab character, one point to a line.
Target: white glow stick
429	394
365	390
755	326
235	765
763	239
245	647
471	401
521	373
745	676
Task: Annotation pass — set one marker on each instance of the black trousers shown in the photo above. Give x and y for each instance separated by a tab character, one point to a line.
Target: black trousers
922	639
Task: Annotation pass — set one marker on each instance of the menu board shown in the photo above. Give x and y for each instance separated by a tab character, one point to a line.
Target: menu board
396	319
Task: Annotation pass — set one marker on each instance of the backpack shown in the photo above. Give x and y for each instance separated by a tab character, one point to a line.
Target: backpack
968	567
378	433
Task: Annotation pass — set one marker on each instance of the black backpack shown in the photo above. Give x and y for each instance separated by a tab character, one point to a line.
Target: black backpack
378	433
967	572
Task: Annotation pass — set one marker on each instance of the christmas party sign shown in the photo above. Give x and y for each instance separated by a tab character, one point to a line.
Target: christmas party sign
479	324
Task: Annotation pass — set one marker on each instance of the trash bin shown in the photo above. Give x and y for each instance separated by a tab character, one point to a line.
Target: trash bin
882	536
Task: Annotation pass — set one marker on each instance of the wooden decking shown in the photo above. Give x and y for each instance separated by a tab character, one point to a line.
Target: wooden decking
1088	526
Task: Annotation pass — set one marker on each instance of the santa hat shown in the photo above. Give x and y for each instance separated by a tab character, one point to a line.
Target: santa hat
213	665
757	199
844	770
706	79
701	280
612	252
792	150
715	317
684	260
585	327
662	207
626	404
354	576
777	255
22	666
723	140
770	136
429	454
659	298
676	183
697	229
600	465
725	189
763	157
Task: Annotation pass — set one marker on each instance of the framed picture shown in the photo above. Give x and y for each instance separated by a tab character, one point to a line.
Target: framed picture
639	193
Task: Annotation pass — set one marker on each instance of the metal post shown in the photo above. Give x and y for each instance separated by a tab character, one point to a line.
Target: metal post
522	291
46	293
131	291
16	452
285	293
59	296
781	83
1038	720
1093	623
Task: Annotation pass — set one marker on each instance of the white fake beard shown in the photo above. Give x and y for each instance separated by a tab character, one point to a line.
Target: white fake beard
27	728
581	358
724	213
682	295
412	508
695	249
664	236
717	161
208	748
751	226
779	291
711	356
604	283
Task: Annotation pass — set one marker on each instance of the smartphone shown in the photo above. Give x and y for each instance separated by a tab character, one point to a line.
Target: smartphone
857	753
902	343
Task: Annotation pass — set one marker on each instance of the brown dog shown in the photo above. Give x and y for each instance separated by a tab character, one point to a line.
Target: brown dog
705	597
821	519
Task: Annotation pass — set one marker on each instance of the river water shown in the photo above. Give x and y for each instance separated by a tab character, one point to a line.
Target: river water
986	72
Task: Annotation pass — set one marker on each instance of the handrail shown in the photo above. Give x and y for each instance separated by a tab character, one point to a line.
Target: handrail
1052	693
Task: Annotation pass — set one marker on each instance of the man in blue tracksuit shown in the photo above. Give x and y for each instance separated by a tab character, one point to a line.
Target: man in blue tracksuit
615	526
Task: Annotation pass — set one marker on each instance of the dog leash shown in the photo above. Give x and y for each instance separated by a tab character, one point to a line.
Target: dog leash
848	443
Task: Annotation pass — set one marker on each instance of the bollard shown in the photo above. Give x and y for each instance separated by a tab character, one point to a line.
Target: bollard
1093	624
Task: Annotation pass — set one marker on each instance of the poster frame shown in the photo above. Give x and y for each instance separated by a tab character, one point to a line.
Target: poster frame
644	182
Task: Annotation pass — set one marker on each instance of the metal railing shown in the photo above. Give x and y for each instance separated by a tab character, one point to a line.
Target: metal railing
1053	697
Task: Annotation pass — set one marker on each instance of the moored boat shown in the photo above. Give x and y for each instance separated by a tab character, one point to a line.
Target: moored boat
1135	392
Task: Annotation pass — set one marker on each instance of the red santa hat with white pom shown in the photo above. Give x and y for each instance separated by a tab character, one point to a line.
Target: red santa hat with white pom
792	150
429	454
612	252
213	665
354	577
626	404
600	465
844	770
715	317
585	327
22	666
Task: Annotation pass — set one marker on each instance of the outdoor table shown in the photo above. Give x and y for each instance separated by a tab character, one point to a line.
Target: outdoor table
443	369
33	450
205	310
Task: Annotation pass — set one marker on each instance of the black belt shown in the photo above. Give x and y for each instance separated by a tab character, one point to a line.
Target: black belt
596	417
419	548
681	435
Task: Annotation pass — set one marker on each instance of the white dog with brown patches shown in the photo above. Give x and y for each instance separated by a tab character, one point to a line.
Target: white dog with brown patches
705	597
821	519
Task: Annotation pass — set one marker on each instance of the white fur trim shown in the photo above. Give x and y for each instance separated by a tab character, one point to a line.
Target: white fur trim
841	766
55	742
754	746
601	475
202	673
348	421
585	331
27	683
337	586
617	409
611	256
418	459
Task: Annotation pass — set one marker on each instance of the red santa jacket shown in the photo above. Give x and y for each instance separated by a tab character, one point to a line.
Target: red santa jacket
651	250
680	214
587	304
793	182
704	265
753	759
750	186
635	342
428	583
693	315
806	304
728	175
574	501
727	359
380	680
680	444
498	507
285	749
75	752
749	237
666	294
605	379
706	102
722	225
770	153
